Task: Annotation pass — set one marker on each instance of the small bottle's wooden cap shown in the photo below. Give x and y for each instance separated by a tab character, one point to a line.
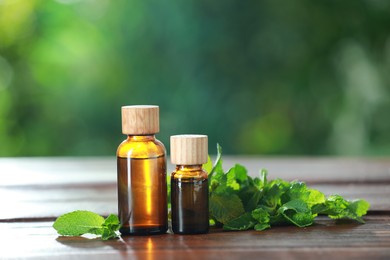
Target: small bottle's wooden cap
189	149
140	120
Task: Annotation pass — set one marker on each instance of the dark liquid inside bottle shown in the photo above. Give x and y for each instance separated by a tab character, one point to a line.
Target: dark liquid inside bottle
142	193
190	207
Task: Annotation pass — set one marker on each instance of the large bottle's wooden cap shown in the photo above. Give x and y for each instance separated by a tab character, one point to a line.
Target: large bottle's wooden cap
140	120
189	149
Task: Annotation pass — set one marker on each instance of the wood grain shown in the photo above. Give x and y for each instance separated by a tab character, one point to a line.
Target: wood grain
189	149
326	239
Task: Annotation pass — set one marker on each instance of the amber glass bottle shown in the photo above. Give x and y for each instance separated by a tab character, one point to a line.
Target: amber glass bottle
189	185
141	164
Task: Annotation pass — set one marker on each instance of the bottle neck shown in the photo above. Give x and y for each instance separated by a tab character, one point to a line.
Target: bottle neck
189	168
141	138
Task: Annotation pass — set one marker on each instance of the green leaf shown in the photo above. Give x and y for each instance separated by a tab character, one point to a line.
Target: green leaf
225	207
208	167
272	193
315	197
217	169
77	223
241	173
277	202
111	222
261	227
359	208
263	219
263	177
217	177
250	196
243	222
319	208
110	226
261	216
339	208
297	212
108	234
231	180
278	220
235	176
297	190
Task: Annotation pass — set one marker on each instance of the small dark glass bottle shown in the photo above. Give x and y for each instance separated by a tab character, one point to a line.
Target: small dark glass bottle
189	185
142	186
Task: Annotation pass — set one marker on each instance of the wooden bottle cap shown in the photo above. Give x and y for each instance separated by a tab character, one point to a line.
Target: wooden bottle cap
189	149
140	120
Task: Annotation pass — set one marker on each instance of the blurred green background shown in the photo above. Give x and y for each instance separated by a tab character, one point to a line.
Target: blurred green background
259	77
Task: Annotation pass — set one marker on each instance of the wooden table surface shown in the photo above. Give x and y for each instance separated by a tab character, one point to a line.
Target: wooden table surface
34	191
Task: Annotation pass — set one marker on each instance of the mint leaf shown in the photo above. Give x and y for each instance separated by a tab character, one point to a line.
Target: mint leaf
208	166
319	208
337	207
240	173
263	219
217	168
243	222
315	197
272	193
359	208
260	215
250	196
216	173
261	227
262	182
110	226
296	190
77	223
80	222
297	212
241	202
111	222
225	207
231	179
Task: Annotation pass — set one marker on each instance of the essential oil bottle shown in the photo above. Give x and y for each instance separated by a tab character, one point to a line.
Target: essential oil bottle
189	185
141	164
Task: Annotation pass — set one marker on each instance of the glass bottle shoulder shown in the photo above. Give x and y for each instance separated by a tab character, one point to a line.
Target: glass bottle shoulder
189	172
141	147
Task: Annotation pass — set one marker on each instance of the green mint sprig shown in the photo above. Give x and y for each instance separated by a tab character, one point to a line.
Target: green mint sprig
240	202
82	222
